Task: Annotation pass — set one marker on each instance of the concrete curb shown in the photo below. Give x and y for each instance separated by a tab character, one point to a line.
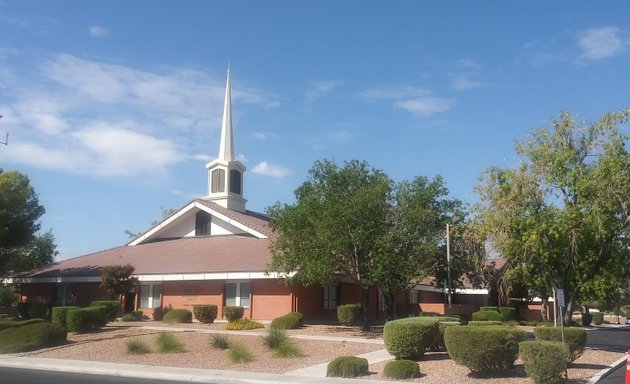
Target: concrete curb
606	371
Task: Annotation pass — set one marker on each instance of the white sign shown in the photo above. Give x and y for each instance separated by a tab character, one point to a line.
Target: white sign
560	297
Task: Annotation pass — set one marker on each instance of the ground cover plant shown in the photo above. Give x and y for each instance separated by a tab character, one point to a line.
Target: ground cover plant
168	343
239	353
243	325
219	341
136	347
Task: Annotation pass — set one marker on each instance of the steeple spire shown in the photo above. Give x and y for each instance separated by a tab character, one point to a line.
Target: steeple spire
226	148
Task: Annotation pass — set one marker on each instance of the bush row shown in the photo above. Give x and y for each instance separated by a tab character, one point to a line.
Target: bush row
411	337
291	320
20	336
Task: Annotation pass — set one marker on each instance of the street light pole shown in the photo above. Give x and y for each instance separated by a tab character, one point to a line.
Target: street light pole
448	265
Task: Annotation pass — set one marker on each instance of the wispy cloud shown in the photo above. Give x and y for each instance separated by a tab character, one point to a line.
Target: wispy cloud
467	75
100	119
267	169
260	136
601	43
418	101
98	31
319	88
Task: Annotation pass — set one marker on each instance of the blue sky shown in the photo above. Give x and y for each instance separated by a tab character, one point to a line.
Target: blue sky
114	107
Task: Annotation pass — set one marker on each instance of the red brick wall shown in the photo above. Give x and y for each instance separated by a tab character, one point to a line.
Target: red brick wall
269	299
185	294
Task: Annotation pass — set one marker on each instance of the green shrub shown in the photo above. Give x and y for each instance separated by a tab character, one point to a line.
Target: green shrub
442	325
168	343
347	366
348	314
476	323
587	319
508	313
401	369
111	306
291	320
243	325
133	316
232	313
7	296
39	311
479	316
22	308
492	348
219	341
275	337
20	336
136	346
86	319
59	315
127	317
598	318
287	349
624	310
410	337
205	313
177	316
488	308
239	353
574	338
544	361
487	315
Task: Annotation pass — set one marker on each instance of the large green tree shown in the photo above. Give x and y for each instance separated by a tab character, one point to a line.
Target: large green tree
562	216
353	222
21	248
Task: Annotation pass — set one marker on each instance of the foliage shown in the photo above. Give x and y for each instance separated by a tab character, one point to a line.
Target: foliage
598	318
179	315
205	313
21	249
353	222
86	319
239	353
118	279
574	338
136	347
232	313
287	349
624	310
474	323
492	348
439	344
20	336
7	296
347	366
292	320
59	315
401	369
561	217
275	337
544	361
38	310
243	325
219	341
111	306
587	319
133	316
348	314
487	316
508	313
410	337
168	343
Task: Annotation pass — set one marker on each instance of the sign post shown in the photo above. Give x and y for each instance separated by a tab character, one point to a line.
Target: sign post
560	299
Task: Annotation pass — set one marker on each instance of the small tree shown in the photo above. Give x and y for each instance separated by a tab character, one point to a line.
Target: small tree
118	279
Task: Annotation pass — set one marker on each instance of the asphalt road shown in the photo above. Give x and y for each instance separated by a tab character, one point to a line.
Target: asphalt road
611	339
32	376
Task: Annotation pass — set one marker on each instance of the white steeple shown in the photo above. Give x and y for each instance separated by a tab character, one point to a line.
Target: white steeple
225	175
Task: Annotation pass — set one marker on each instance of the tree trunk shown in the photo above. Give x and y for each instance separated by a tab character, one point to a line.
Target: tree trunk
389	307
543	309
366	299
567	315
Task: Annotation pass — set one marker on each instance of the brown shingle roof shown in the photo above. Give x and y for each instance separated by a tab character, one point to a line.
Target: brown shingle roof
184	255
254	220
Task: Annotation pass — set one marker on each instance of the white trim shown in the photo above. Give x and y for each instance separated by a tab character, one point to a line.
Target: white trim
465	291
154	277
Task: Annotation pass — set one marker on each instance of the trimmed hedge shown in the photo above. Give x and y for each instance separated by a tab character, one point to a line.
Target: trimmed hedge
491	348
348	314
598	318
205	313
544	361
86	319
476	323
7	296
401	369
574	338
111	306
232	313
488	308
487	315
347	366
411	337
291	320
439	344
179	315
59	315
508	313
20	336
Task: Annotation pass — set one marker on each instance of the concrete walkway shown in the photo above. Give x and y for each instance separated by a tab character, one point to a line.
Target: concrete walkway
319	370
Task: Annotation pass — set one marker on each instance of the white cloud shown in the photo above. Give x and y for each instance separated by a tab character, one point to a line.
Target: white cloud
260	136
264	168
98	31
319	88
600	43
418	101
240	157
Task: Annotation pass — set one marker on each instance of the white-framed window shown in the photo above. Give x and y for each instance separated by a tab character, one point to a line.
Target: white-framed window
237	293
381	301
413	297
330	297
150	295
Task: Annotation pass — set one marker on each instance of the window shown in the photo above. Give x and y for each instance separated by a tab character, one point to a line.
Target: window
202	223
330	297
218	181
413	297
150	296
237	294
381	302
235	181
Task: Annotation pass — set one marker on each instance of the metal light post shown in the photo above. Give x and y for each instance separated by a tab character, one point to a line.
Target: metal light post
448	265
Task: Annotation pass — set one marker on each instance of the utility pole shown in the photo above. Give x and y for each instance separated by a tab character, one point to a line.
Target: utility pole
6	137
